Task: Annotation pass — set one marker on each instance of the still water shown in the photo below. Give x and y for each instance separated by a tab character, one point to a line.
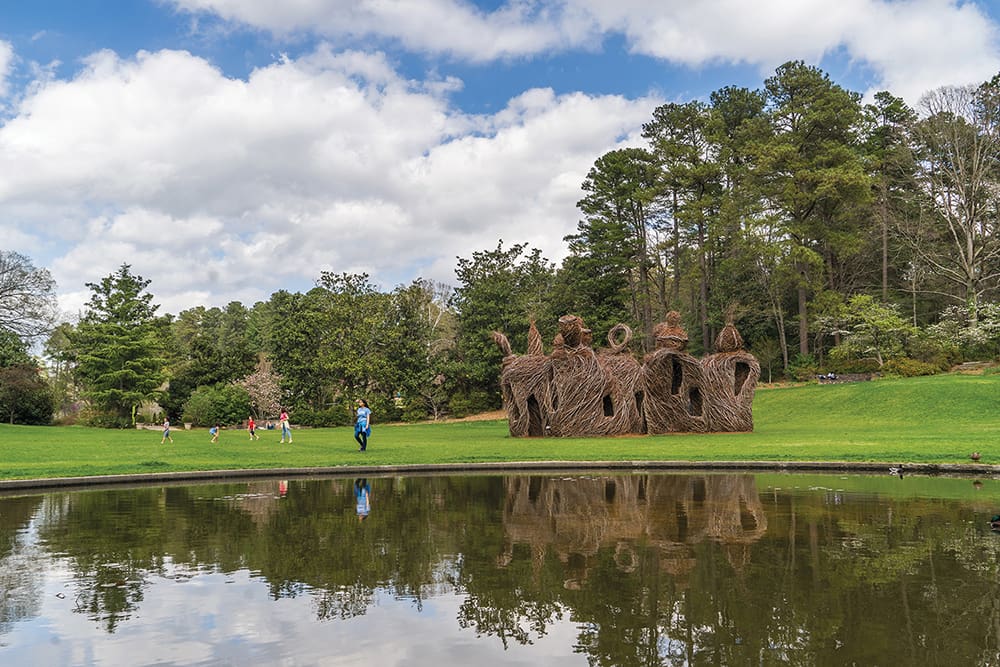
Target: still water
596	569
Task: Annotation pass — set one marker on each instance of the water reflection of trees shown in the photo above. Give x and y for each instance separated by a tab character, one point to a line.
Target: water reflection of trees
653	569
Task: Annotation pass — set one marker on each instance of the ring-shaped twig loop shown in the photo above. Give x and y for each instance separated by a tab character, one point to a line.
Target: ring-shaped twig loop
622	330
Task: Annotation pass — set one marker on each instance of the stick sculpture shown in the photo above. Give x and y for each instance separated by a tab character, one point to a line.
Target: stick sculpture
576	391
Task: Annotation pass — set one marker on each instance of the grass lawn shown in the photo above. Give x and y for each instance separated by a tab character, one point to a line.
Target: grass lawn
940	419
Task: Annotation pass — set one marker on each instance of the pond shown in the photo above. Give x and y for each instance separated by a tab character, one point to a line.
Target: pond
553	569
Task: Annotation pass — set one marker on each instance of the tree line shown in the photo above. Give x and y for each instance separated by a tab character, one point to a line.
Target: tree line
837	235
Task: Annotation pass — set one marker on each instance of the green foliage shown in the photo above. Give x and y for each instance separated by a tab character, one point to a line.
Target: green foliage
218	404
12	349
608	277
472	403
339	415
977	338
908	368
803	367
842	360
934	349
25	397
499	290
874	329
118	344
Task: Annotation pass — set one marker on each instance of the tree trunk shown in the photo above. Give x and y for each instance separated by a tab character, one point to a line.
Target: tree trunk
803	323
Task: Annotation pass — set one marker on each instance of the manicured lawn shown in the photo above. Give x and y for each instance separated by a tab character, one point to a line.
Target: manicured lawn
939	419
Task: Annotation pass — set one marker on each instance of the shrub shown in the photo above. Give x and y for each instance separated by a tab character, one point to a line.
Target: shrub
803	367
908	368
337	415
218	404
414	410
472	403
89	417
845	363
937	350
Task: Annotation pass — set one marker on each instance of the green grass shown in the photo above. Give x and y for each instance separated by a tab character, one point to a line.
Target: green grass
940	419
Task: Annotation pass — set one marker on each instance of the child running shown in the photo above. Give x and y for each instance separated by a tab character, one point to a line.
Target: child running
166	432
252	428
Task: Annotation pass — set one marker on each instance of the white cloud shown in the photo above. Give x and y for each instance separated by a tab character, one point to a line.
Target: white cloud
911	45
217	188
6	66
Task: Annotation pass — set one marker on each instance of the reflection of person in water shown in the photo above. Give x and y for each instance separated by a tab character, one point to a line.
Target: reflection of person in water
362	498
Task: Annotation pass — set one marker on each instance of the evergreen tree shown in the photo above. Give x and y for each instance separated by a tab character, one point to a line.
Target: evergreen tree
118	347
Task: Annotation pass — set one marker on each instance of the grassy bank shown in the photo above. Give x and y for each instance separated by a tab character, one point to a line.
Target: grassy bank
939	419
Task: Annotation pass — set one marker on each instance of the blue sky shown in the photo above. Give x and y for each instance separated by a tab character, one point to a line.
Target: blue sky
230	148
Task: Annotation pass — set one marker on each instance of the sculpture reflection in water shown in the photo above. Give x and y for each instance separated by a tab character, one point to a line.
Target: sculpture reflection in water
575	518
639	569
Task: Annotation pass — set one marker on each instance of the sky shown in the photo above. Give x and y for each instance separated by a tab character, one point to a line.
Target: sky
226	149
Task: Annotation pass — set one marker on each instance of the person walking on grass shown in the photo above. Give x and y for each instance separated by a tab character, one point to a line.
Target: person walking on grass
363	424
252	428
166	432
215	433
286	428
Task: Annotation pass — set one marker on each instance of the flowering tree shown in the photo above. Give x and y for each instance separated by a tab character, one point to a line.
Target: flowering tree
264	388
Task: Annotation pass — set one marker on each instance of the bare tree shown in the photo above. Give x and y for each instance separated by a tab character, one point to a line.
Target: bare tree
958	174
27	296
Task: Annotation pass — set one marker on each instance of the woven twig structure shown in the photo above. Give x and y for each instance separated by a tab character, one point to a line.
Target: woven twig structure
575	391
674	392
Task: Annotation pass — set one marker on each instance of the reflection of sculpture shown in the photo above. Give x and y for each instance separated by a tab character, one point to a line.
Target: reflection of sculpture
577	391
578	517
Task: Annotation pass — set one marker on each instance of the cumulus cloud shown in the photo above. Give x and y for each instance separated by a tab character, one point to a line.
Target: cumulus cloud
218	188
911	45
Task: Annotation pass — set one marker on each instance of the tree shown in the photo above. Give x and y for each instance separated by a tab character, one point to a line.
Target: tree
220	404
958	173
890	159
812	177
873	329
207	346
27	296
117	346
614	236
499	290
12	349
25	397
692	174
263	386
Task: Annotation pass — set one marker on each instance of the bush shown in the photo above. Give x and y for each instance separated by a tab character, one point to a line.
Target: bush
908	368
333	416
219	404
25	398
414	411
940	352
89	417
472	403
803	367
853	365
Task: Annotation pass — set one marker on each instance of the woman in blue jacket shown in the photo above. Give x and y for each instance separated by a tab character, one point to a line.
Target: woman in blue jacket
363	424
